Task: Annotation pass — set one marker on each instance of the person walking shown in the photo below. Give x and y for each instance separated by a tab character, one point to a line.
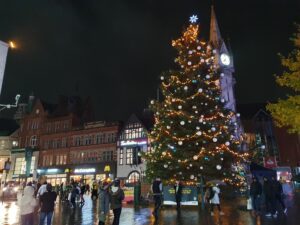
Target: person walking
82	192
157	195
269	192
47	200
94	190
116	196
215	200
74	193
27	204
178	193
278	193
104	202
255	194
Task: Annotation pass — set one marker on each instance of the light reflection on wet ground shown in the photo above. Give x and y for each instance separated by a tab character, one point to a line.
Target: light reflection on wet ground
235	214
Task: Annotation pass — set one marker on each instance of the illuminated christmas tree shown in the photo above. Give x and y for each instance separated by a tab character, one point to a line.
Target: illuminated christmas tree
192	135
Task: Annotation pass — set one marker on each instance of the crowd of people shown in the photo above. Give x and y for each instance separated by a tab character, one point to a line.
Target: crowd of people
40	197
270	193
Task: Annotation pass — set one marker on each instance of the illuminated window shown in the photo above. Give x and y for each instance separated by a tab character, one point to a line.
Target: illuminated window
20	165
129	156
121	156
133	177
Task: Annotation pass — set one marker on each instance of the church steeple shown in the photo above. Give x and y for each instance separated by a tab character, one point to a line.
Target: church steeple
215	34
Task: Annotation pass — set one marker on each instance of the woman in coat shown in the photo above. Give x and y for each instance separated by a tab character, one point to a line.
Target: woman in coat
215	200
104	202
27	204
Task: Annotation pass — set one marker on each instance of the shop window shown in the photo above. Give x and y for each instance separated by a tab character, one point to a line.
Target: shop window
121	156
20	165
129	156
133	177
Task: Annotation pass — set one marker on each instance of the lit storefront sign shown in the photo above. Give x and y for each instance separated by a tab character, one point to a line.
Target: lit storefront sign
126	143
85	170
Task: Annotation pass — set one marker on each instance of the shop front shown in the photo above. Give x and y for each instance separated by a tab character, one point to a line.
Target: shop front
55	176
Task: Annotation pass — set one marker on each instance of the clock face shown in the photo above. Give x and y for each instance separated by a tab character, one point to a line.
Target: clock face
225	59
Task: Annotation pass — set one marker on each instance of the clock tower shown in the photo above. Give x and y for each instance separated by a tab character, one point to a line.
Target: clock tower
224	62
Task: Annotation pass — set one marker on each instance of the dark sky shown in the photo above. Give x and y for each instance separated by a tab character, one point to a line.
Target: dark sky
115	50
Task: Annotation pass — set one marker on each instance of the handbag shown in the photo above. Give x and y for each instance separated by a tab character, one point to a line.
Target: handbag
249	204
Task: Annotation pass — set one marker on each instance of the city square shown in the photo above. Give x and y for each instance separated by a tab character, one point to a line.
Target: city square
148	112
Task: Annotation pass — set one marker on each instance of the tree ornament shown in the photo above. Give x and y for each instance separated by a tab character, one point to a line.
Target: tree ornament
200	90
227	143
180	107
215	139
189	63
190	52
222	74
223	100
219	167
201	167
168	127
197	143
192	177
195	157
198	47
194	107
199	133
198	128
152	102
166	166
157	113
182	122
222	159
202	60
162	78
179	160
238	115
163	153
185	88
207	76
213	129
214	51
180	142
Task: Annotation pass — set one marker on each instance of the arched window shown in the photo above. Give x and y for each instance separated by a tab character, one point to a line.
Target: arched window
133	177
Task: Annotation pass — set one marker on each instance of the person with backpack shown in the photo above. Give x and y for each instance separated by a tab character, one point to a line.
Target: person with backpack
214	199
47	205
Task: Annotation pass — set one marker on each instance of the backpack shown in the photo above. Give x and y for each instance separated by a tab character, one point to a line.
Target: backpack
211	193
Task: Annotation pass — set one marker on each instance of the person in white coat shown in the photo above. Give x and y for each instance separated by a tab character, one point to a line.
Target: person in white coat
27	204
215	201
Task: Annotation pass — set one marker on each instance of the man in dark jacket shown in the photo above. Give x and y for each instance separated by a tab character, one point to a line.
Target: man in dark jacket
116	196
269	193
178	193
47	201
157	195
278	193
255	193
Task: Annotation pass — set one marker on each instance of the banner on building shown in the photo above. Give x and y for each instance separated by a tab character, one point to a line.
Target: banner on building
189	195
270	162
3	55
28	157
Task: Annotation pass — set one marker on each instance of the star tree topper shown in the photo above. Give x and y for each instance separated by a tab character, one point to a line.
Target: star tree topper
193	19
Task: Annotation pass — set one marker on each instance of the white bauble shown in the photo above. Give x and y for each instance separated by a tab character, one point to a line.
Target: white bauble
213	129
198	128
198	47
195	157
189	63
200	90
163	153
222	74
180	107
182	122
180	142
190	52
201	167
207	76
192	177
222	159
168	127
199	133
222	100
238	115
179	160
162	77
194	107
191	165
227	143
214	51
215	139
202	60
152	102
219	167
196	112
166	166
157	113
186	87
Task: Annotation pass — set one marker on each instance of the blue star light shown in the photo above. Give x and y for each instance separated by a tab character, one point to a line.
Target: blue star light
193	19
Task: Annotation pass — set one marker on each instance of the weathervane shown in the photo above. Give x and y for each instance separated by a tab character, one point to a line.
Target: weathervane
193	19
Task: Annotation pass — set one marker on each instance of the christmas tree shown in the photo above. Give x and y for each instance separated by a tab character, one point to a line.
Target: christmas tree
193	131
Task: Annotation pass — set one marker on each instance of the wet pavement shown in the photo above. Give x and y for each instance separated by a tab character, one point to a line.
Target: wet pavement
235	214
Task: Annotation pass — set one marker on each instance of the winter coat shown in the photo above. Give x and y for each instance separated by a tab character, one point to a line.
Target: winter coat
255	189
178	191
116	196
268	189
104	200
27	202
215	199
277	187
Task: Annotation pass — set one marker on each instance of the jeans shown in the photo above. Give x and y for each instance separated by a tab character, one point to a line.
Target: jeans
157	200
27	219
43	217
117	214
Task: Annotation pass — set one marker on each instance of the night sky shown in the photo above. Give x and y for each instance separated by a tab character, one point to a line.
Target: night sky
115	50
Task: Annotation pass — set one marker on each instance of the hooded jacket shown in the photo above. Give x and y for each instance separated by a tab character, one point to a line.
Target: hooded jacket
27	202
116	195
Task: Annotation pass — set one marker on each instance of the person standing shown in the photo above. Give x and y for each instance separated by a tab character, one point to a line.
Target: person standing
94	190
27	204
269	193
279	193
47	200
215	200
255	193
104	202
74	193
178	193
157	195
116	195
82	192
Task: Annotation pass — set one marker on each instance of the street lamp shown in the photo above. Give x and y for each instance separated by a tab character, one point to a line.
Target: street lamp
8	106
